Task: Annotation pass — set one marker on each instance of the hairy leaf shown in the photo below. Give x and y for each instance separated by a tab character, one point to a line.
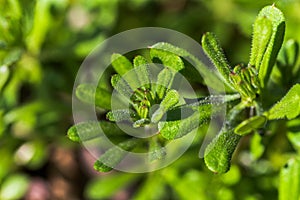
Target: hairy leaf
210	79
118	115
142	70
121	86
164	81
89	130
288	107
219	152
175	129
214	51
114	155
268	33
156	150
168	59
170	100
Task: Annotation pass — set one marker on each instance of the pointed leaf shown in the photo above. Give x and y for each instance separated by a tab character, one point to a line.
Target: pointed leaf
288	107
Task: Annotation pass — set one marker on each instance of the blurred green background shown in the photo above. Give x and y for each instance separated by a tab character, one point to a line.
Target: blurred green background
42	45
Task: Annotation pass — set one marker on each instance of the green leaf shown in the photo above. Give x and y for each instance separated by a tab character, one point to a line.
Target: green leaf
213	50
256	146
288	106
142	70
154	182
294	133
121	86
121	64
12	57
118	115
233	176
14	187
250	125
114	155
4	75
2	123
291	52
105	187
91	94
164	81
219	152
168	59
170	100
89	130
156	150
175	129
210	79
289	182
268	33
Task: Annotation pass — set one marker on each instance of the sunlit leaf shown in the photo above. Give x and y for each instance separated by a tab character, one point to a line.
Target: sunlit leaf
212	48
175	129
289	182
219	152
14	187
288	107
168	59
250	125
268	33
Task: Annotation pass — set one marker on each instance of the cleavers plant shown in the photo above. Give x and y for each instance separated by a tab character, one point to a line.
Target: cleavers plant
159	104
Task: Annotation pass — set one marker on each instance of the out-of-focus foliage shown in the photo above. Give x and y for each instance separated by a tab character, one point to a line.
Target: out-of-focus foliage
43	43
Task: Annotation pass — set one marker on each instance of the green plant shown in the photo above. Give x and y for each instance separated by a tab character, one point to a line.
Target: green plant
251	106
